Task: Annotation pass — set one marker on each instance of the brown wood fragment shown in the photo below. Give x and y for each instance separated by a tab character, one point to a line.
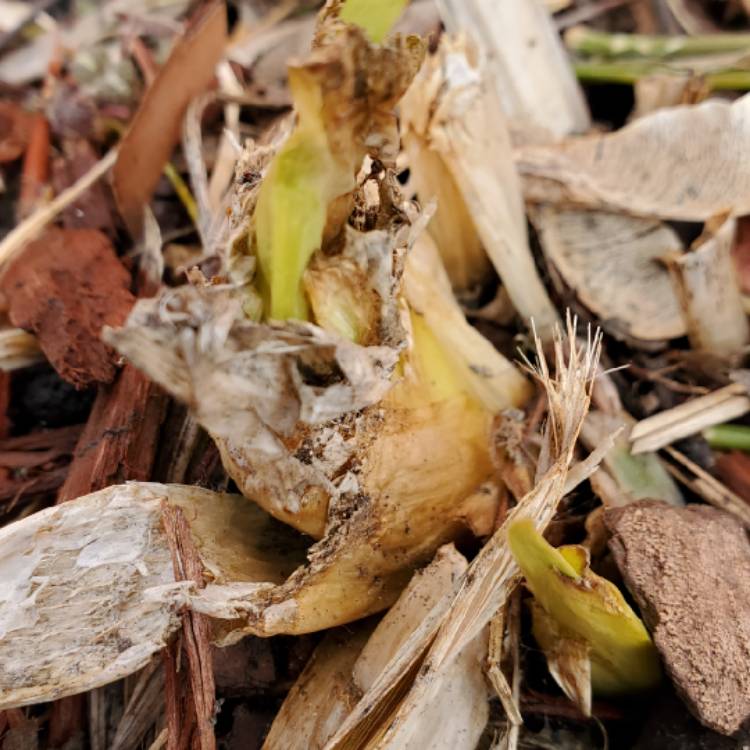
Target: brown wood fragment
43	440
119	440
689	571
155	129
195	630
38	448
35	173
734	470
13	490
64	287
67	719
14	128
94	208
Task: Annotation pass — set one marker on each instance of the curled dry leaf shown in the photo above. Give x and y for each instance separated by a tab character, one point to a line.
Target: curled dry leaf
155	129
320	454
612	263
452	111
683	163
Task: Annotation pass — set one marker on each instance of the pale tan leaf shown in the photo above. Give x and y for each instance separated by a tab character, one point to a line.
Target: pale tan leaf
611	262
452	107
707	287
683	163
526	63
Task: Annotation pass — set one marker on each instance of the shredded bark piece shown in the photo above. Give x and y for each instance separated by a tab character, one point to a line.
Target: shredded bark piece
94	209
734	470
14	126
64	287
196	631
689	570
155	129
120	438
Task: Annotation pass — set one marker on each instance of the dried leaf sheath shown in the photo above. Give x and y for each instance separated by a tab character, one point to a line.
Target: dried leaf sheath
453	112
396	699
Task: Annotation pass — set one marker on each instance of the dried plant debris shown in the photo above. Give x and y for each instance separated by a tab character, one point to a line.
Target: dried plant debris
313	370
612	263
689	570
344	666
707	286
682	163
90	592
689	418
64	288
526	62
155	130
18	349
392	709
453	121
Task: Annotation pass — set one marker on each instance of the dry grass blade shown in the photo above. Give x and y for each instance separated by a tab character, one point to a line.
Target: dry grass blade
707	486
18	349
689	418
495	654
491	576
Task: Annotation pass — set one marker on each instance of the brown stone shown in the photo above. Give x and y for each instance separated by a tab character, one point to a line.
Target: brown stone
689	571
64	287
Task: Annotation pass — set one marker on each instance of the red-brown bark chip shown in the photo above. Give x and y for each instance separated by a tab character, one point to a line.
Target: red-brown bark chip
689	570
14	127
64	287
